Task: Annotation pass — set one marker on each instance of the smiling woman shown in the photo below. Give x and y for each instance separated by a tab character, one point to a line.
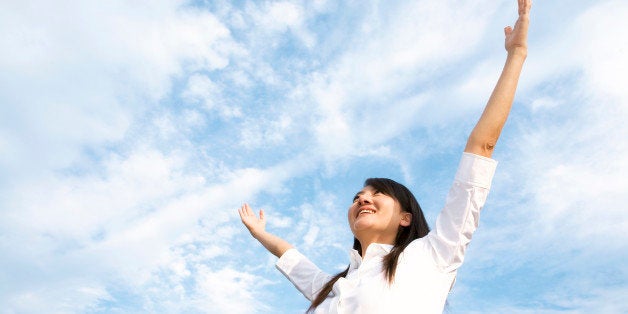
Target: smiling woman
397	264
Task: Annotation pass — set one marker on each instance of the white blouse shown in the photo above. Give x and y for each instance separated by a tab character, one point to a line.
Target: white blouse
426	269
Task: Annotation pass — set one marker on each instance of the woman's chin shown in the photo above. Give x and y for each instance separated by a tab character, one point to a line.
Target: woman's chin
362	224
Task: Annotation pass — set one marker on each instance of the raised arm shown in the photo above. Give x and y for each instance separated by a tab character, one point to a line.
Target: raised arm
257	227
486	132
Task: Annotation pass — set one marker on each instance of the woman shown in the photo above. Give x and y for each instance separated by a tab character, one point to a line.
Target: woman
397	264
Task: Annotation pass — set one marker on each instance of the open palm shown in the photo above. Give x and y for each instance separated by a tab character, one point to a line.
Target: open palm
516	38
251	221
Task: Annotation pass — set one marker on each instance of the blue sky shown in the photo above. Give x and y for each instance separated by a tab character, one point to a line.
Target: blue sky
130	132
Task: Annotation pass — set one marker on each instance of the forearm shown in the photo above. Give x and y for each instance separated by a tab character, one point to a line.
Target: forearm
484	136
274	244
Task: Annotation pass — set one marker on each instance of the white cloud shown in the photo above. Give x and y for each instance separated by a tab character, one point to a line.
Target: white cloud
584	156
281	16
78	73
201	89
603	47
544	103
118	226
258	133
391	53
67	297
228	291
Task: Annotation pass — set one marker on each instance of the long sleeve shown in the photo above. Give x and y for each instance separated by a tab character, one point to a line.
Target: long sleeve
303	274
460	215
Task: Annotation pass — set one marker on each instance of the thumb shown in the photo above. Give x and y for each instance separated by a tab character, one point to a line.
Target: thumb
507	30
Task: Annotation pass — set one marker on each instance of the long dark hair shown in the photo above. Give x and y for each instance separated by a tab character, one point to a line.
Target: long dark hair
418	228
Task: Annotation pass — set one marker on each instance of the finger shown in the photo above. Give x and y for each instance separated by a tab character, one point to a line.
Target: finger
520	6
247	210
522	22
261	215
524	6
507	30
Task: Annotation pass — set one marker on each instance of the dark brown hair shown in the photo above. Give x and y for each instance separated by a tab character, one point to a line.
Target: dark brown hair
418	228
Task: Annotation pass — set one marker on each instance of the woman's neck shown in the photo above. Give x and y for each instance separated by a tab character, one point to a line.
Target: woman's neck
365	243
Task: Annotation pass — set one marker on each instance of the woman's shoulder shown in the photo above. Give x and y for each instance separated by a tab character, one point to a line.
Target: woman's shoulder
418	246
419	253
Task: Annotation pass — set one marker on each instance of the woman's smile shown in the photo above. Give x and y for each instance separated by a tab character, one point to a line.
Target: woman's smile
366	210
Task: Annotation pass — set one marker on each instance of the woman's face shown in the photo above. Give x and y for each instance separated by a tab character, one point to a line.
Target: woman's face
375	216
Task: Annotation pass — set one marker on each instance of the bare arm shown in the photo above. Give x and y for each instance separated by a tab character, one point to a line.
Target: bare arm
257	227
486	132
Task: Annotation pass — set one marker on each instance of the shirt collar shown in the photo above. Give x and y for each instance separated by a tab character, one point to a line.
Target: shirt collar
374	250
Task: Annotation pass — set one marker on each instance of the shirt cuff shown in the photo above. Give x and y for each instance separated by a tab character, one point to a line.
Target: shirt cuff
476	170
288	260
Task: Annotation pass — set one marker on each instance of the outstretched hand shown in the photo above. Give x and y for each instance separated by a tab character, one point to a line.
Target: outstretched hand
517	37
255	225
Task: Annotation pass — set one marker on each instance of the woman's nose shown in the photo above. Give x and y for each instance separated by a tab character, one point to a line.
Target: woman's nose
364	199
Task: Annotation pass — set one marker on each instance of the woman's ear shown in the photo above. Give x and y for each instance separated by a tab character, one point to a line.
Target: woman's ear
406	219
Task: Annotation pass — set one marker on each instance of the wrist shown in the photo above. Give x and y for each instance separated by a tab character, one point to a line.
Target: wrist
259	234
518	52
